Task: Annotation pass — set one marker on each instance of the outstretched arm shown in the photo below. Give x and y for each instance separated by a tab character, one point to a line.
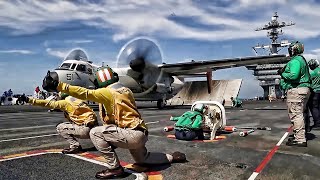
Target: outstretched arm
62	104
98	95
174	118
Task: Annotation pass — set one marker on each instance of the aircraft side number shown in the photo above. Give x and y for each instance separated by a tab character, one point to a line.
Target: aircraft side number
69	77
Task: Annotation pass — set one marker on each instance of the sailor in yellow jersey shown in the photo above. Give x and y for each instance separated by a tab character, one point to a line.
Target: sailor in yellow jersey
123	126
81	118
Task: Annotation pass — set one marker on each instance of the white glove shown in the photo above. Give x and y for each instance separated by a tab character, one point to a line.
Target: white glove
171	118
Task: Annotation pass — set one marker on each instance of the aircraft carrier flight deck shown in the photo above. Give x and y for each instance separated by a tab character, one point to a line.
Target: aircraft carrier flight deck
30	147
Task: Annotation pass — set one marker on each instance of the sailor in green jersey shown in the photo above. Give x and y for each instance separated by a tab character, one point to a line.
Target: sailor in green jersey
189	126
296	81
236	102
314	99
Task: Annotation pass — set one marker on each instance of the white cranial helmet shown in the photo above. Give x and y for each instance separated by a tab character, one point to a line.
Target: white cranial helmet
199	108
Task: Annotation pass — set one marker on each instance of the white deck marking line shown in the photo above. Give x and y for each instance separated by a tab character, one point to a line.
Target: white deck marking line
282	139
139	176
253	176
154	122
29	127
269	156
163	115
47	135
31	137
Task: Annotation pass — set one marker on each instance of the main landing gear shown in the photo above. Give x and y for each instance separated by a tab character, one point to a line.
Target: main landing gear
161	103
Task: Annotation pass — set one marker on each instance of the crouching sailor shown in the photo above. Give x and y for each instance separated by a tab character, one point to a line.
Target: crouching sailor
81	119
189	126
123	126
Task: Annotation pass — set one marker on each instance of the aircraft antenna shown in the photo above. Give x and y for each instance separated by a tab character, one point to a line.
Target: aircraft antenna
274	29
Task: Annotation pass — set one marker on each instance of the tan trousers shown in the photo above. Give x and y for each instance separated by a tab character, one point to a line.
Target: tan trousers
70	132
297	99
107	138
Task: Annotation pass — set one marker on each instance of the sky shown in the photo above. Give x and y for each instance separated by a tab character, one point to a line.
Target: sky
35	35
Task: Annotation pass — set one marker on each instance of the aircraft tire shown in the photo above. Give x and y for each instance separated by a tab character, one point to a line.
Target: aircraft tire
160	104
18	102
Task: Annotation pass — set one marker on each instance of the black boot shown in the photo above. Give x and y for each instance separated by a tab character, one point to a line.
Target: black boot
109	173
178	157
296	143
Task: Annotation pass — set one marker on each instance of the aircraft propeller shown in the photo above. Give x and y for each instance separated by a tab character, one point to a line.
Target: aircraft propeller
77	54
142	56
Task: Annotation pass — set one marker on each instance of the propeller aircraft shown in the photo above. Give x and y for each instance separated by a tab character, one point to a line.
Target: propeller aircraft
141	68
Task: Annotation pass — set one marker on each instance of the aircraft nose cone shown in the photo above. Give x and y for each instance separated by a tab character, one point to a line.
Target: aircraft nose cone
137	64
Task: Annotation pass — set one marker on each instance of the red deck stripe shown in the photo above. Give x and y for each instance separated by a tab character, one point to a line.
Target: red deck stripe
90	155
35	152
266	159
123	163
153	173
269	156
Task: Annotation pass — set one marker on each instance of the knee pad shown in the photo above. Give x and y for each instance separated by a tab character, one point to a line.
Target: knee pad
93	132
60	128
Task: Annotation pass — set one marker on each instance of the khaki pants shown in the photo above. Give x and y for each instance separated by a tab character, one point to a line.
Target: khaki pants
70	132
107	138
297	99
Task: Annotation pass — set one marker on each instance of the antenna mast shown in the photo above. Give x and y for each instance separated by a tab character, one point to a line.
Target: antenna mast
274	28
267	73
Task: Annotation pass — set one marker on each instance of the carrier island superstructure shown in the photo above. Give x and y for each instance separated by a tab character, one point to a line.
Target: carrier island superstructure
267	73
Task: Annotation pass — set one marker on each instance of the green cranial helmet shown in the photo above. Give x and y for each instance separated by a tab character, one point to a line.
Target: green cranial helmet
313	63
199	108
295	48
105	76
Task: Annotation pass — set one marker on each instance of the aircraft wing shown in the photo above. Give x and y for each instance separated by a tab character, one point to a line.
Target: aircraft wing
189	68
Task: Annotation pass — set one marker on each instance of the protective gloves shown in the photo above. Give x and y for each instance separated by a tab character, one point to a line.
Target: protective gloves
50	82
280	71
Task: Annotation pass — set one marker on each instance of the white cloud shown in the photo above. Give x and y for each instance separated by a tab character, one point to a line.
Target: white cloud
49	43
78	41
58	53
316	51
313	54
130	18
17	51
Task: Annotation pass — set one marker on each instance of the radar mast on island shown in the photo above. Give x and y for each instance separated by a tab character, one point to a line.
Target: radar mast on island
267	73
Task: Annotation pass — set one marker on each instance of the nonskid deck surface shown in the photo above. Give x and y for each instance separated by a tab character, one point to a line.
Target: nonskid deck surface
234	157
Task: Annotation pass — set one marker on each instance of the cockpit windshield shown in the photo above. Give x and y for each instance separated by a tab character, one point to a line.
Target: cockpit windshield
65	66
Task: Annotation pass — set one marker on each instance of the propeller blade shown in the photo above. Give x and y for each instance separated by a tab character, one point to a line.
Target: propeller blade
143	56
142	49
77	54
